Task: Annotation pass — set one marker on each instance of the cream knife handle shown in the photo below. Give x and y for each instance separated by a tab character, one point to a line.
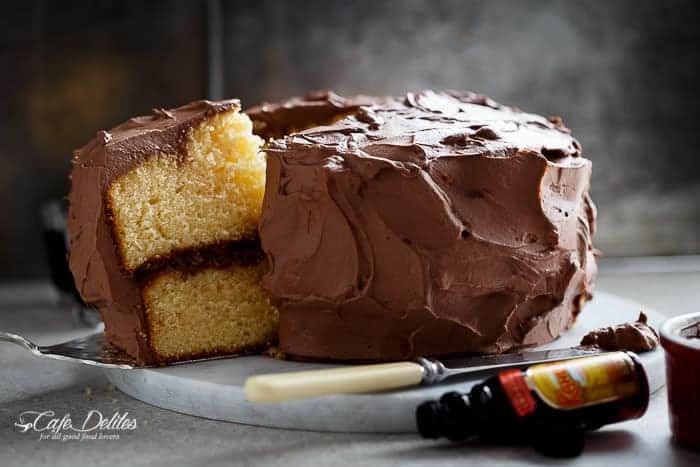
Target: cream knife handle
279	387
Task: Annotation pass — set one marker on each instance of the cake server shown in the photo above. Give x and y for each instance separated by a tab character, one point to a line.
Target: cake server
279	387
92	349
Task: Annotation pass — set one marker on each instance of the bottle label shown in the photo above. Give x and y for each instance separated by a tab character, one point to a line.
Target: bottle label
585	381
518	392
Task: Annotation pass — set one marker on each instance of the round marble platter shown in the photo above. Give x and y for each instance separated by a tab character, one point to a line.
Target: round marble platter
214	389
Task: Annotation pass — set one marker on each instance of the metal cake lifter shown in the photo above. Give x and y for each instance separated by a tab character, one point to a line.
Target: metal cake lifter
92	349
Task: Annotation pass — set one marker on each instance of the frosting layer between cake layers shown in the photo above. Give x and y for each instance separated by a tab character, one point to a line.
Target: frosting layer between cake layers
439	223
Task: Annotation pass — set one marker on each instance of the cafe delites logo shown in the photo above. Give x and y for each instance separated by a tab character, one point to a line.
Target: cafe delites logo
93	426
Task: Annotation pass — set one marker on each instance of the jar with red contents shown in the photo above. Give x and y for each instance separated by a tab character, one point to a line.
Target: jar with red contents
680	338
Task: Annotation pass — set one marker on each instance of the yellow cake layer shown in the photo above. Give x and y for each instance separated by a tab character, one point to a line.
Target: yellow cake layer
214	195
210	311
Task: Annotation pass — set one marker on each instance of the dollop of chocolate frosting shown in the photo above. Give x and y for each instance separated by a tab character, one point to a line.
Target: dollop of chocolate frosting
437	223
94	258
635	337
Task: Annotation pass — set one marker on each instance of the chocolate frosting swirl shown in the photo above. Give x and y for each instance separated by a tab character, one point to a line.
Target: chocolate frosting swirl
635	337
438	223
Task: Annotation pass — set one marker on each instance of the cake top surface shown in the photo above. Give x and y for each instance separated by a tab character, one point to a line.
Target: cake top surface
162	120
436	124
163	131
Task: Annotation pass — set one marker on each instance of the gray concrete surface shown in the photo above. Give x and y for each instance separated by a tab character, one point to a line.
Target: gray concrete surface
165	439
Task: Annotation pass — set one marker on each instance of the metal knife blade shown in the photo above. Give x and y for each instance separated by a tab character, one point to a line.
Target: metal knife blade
436	370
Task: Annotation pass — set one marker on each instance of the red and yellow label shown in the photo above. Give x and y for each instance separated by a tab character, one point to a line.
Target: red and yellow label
518	392
580	382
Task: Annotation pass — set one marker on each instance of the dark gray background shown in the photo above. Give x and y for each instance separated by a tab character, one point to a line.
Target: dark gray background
623	75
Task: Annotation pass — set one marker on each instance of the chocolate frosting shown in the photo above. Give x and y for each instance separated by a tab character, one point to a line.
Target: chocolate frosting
635	337
278	119
94	260
439	223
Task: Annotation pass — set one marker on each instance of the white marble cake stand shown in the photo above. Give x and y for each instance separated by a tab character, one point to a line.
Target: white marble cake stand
214	389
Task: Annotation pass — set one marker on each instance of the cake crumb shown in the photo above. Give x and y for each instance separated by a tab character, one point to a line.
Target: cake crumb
274	352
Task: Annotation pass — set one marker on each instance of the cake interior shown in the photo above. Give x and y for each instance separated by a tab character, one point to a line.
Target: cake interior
167	214
212	194
169	211
210	311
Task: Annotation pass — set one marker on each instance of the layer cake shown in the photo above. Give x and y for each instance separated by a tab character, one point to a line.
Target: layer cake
163	233
433	224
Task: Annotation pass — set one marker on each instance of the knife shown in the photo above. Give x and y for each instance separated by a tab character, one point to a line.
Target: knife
280	387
